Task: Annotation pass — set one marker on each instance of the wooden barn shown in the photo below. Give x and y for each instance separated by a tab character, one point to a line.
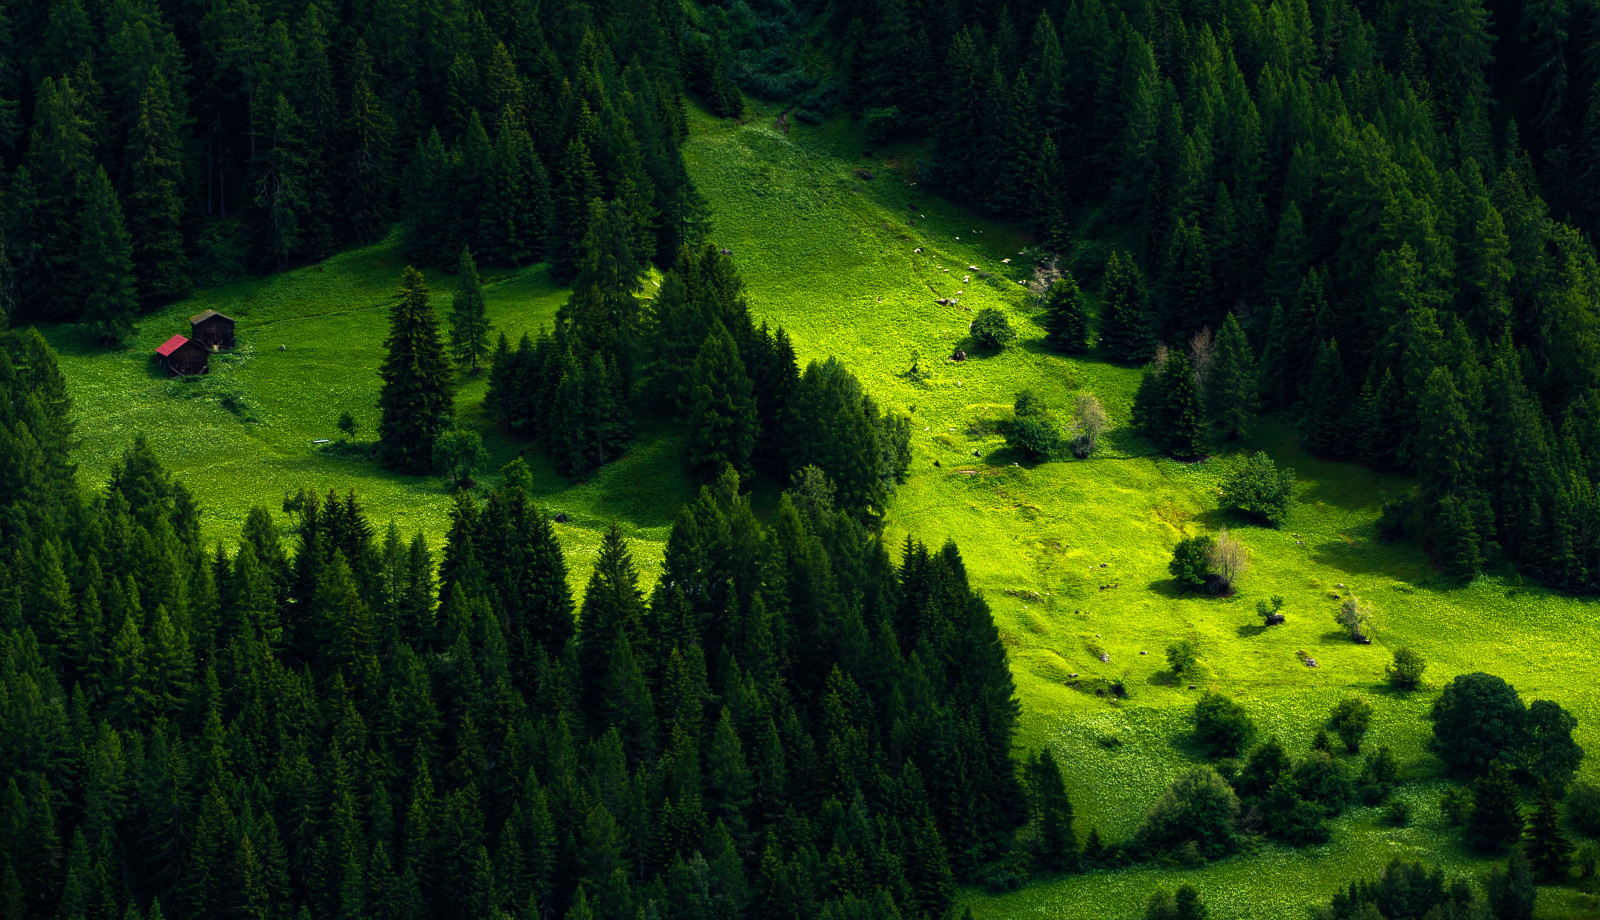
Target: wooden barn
212	330
183	357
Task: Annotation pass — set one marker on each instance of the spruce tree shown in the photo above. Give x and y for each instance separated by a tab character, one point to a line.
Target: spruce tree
1066	318
721	409
369	171
613	608
1495	821
1182	420
281	205
413	400
1187	290
1548	850
154	178
1511	892
1327	404
105	263
1231	386
1125	328
469	316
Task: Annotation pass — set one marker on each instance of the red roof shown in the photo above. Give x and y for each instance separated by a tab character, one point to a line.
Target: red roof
171	345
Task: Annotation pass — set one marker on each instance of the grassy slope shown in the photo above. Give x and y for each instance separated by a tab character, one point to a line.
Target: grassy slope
330	322
818	248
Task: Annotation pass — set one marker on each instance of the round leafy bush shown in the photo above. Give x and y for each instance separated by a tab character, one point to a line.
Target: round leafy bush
990	330
1221	725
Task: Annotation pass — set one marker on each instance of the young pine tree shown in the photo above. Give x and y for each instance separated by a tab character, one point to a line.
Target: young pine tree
1548	850
1495	821
1183	422
469	317
722	408
154	177
413	401
105	262
1231	387
1125	328
1066	318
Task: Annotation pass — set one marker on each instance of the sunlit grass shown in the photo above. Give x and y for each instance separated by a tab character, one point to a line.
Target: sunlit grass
830	256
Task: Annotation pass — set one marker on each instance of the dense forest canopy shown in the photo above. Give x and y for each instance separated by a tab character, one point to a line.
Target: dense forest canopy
1394	200
317	720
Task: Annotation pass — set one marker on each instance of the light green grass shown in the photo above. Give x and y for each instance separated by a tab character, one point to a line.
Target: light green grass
310	343
818	248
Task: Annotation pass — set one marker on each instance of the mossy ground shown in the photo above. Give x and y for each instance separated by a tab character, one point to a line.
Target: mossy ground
829	255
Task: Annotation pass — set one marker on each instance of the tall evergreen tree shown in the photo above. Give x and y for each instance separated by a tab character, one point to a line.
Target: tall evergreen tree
1495	821
1548	850
469	316
1126	332
152	192
1066	318
721	410
1231	385
413	400
1182	417
105	260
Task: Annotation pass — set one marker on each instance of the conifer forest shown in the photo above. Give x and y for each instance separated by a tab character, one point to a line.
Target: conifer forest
458	459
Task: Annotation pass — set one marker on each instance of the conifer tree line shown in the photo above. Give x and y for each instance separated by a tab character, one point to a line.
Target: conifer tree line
321	719
145	144
693	352
1393	201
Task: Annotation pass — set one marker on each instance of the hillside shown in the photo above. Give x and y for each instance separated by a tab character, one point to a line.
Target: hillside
830	256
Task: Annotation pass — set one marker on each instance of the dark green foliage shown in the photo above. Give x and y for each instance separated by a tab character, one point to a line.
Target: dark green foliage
413	401
990	330
1185	905
1351	717
1230	392
1181	657
1405	889
1583	808
1405	672
1033	430
1127	331
833	425
1495	821
1188	294
1222	728
1324	415
1181	423
152	190
1257	487
722	418
105	263
469	317
1511	893
1478	721
1055	846
458	452
1191	564
1548	850
1200	808
1066	317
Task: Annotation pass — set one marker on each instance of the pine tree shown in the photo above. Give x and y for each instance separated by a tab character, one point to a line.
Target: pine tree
1511	892
1052	812
1327	404
369	174
1231	385
1125	328
154	205
281	205
1066	318
721	409
1188	292
1495	821
105	263
612	608
469	316
413	400
576	187
1182	420
1548	850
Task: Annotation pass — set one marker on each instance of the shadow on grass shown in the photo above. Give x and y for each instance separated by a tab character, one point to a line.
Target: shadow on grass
1168	587
1250	630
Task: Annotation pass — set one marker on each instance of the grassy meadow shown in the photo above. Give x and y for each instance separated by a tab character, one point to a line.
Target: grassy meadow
830	255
